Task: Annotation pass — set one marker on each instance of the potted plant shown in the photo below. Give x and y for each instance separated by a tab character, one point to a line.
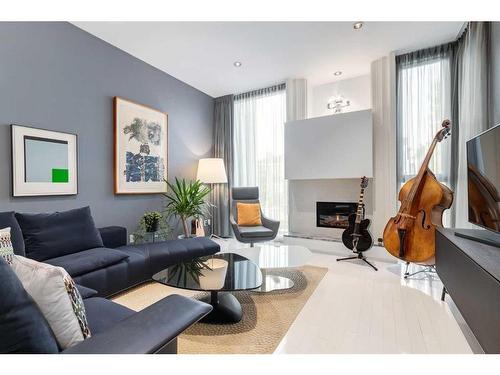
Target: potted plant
152	221
187	200
148	225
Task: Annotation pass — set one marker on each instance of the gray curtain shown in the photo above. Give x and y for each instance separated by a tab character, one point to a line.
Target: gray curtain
223	145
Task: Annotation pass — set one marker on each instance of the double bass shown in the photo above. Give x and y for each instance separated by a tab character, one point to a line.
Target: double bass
410	235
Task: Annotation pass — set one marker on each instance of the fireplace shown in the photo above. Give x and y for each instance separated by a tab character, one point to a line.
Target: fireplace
334	214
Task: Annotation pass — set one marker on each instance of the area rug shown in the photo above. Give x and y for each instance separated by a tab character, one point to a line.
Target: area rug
266	316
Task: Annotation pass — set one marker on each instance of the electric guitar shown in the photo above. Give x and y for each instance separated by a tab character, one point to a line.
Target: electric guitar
357	236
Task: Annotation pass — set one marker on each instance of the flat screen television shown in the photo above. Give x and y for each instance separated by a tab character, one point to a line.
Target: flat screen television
483	184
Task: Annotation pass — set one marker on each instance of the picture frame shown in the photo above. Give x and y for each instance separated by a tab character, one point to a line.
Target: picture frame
44	162
140	148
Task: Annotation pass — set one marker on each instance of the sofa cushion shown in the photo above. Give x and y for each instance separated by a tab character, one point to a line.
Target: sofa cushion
257	231
88	260
103	314
51	235
113	236
23	329
86	292
55	293
7	219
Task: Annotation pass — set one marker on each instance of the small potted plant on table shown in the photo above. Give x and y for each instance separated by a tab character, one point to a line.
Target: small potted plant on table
152	221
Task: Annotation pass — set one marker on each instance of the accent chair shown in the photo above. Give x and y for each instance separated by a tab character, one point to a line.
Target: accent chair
251	234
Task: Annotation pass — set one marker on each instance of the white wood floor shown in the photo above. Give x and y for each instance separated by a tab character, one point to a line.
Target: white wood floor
357	310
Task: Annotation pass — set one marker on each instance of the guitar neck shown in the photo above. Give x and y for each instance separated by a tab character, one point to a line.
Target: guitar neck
359	213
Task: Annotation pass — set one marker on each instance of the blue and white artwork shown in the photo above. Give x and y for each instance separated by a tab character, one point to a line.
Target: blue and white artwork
141	148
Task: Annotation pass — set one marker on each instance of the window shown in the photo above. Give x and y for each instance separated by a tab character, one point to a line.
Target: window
259	144
424	101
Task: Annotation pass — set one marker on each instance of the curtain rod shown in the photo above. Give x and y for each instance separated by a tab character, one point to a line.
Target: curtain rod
278	87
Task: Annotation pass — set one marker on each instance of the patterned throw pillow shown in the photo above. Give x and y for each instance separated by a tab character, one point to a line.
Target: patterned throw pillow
55	293
6	248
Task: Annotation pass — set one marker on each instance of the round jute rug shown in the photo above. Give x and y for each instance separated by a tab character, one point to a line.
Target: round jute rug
266	316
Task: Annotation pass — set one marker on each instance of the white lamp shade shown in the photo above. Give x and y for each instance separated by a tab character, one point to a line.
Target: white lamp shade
211	171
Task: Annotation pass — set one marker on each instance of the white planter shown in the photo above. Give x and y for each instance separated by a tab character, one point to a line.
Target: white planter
215	277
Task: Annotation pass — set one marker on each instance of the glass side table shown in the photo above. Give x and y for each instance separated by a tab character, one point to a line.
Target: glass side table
152	237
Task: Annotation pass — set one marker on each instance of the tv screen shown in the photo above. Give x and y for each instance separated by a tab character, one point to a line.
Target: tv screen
483	179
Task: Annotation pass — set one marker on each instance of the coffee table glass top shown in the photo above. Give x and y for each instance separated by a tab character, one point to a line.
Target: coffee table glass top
272	256
229	272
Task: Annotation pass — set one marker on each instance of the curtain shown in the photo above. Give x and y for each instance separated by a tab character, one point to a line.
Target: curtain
296	99
223	148
383	76
259	140
446	81
424	100
472	83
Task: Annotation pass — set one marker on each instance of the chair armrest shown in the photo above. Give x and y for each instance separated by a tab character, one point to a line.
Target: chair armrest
235	227
147	331
274	225
113	237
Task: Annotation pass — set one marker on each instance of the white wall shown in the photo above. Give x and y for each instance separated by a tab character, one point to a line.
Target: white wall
356	90
304	194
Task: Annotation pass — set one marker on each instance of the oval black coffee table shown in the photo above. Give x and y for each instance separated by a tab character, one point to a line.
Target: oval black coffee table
241	274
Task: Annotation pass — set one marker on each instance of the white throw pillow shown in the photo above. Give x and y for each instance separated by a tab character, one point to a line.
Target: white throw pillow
6	248
55	293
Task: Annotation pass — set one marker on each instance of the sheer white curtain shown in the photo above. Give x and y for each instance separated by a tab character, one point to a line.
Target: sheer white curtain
424	101
259	143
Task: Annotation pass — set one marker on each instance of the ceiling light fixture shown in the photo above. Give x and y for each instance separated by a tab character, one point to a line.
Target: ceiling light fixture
357	25
337	73
237	64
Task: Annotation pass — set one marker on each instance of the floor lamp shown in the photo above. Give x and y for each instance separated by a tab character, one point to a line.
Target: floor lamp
211	171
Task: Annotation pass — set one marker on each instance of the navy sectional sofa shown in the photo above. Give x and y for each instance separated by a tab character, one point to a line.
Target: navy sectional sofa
102	264
118	266
99	259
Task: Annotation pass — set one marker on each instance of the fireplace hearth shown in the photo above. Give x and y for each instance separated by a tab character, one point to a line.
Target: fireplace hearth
334	214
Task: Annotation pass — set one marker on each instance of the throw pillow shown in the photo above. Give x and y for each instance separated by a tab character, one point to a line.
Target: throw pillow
248	214
55	293
23	329
8	219
6	248
51	235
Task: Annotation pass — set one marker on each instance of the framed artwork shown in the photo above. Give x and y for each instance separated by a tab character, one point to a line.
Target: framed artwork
44	162
141	148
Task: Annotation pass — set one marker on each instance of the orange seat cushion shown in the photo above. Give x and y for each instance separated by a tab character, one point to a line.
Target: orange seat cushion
248	214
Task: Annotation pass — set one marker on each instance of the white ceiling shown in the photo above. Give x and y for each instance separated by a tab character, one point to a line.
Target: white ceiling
202	53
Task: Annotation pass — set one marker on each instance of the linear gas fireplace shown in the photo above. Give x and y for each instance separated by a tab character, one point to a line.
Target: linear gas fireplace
334	214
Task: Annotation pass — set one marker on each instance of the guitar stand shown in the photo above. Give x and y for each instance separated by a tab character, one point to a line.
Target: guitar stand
426	269
359	256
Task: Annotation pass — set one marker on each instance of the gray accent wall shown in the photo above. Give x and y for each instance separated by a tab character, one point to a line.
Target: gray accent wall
495	73
56	76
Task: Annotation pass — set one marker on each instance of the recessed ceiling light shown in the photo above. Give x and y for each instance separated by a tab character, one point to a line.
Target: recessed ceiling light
337	73
237	64
357	25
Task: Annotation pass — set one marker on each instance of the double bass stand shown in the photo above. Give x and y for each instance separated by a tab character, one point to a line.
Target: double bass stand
359	256
426	269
